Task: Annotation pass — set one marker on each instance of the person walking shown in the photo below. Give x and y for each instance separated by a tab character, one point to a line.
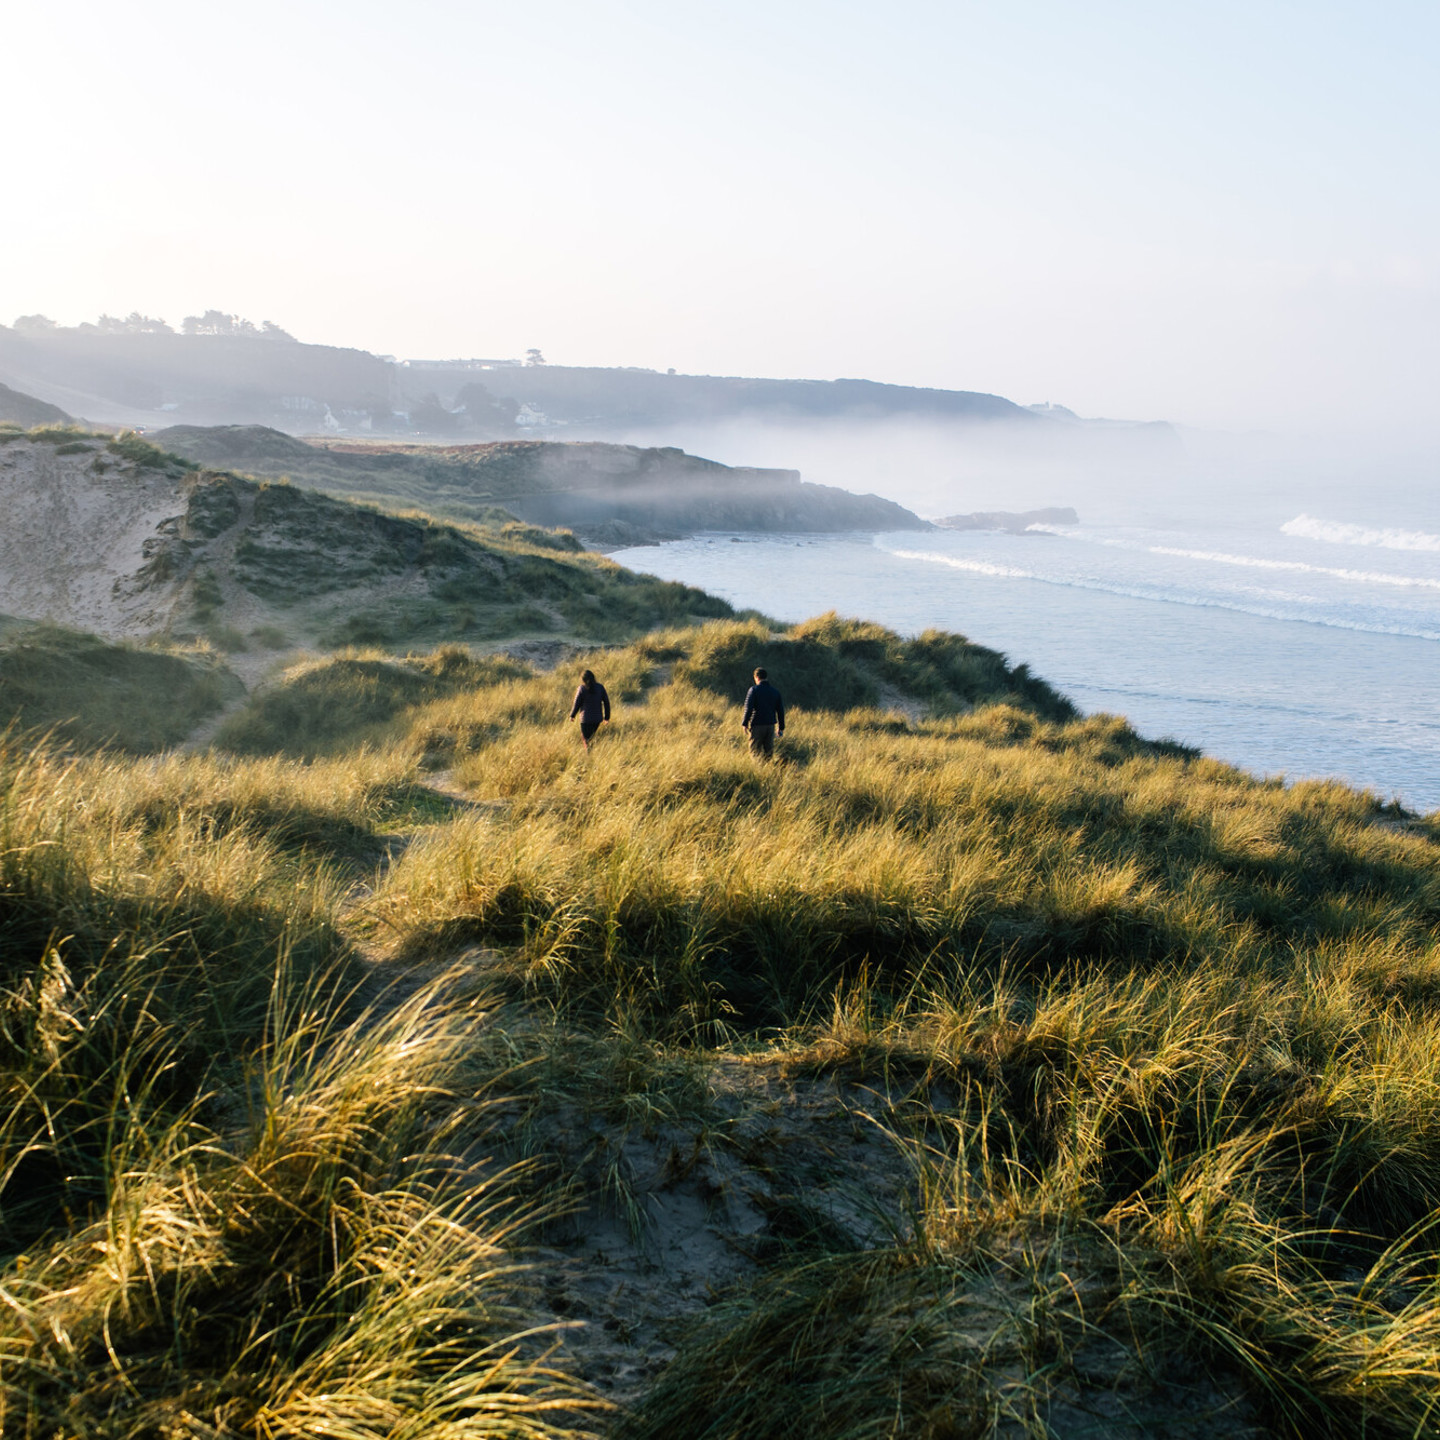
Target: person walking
592	705
764	717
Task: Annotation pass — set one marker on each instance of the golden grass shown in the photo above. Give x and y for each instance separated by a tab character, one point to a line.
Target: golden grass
1159	1046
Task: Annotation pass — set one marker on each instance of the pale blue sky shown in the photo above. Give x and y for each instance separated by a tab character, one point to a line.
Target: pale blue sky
1223	214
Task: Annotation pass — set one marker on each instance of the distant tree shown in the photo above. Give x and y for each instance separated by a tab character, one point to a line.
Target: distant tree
217	322
534	357
484	414
133	324
430	417
35	324
271	331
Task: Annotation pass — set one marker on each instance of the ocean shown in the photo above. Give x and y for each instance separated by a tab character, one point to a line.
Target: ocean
1289	641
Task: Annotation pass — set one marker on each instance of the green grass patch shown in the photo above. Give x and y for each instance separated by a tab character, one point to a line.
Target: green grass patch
95	694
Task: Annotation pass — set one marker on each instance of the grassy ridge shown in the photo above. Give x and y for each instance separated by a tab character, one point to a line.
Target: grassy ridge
346	574
668	869
242	565
1154	1043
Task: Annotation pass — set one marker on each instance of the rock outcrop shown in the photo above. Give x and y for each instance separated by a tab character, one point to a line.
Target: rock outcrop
1017	522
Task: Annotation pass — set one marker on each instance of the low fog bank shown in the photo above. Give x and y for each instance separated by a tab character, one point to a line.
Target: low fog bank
936	452
1111	473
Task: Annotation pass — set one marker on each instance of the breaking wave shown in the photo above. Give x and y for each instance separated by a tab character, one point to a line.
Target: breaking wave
1333	532
1255	562
1168	595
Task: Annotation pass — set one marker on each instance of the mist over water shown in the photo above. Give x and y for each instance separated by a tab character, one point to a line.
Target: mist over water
1286	622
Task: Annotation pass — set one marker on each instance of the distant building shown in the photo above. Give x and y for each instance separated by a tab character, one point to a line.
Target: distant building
459	364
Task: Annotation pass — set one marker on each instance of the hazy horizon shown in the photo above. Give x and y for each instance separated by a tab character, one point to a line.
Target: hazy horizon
1218	218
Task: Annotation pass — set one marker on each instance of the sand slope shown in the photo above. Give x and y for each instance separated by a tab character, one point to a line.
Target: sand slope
75	533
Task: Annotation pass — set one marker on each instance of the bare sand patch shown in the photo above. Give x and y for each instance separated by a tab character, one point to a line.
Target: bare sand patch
76	529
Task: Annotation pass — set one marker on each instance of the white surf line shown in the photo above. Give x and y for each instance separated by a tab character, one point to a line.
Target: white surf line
1221	557
1337	532
1255	562
1006	572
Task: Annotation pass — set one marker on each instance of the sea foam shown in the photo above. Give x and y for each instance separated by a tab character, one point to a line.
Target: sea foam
1334	532
1166	594
1299	567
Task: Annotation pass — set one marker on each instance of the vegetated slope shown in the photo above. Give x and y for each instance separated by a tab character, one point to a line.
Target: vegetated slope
591	395
974	1070
119	538
92	694
828	665
613	493
130	378
26	410
275	380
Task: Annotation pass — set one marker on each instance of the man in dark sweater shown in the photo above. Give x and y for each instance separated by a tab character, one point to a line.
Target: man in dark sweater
592	705
764	716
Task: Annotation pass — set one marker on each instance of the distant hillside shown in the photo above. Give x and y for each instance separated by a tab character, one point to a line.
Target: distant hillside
137	378
118	538
154	377
26	410
611	494
595	399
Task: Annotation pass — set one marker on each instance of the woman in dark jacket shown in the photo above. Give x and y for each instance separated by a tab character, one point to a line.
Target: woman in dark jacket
592	705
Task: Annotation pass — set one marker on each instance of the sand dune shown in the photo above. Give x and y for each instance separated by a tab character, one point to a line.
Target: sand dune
77	530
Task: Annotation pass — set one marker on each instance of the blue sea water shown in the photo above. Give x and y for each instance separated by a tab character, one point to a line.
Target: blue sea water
1302	644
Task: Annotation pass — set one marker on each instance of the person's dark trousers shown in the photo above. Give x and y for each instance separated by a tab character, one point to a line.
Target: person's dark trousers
762	741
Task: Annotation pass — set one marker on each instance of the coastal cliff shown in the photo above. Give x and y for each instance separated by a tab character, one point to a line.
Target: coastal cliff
609	494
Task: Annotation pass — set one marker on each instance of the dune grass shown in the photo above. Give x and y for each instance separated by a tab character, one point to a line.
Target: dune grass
669	872
92	693
339	702
1175	1010
227	1163
1156	1047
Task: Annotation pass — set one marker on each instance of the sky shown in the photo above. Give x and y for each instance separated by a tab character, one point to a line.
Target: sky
1224	215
